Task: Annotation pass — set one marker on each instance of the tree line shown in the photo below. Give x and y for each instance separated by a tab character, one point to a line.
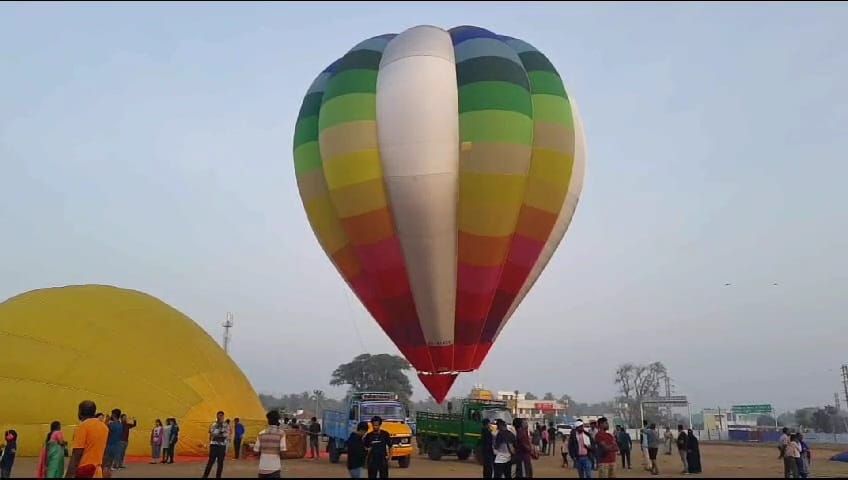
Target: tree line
635	383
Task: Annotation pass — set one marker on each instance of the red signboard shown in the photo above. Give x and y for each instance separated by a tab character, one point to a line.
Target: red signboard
545	407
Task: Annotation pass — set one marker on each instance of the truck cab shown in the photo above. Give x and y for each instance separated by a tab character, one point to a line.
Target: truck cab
362	406
441	434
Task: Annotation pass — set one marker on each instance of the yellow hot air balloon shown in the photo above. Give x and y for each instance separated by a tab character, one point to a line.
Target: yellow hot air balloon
122	349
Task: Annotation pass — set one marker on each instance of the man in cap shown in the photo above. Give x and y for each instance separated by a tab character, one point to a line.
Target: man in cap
580	448
378	443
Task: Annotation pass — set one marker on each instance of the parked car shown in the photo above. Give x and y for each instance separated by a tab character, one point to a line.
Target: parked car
563	429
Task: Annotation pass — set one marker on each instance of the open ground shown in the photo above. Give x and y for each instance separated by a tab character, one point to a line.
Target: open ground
740	461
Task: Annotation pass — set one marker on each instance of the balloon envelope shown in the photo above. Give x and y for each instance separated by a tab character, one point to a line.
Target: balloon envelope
439	171
122	349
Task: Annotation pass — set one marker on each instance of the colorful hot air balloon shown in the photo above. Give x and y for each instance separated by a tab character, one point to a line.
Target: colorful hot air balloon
439	171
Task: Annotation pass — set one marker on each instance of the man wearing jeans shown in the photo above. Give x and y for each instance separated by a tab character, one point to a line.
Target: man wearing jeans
125	440
643	443
219	432
580	448
625	444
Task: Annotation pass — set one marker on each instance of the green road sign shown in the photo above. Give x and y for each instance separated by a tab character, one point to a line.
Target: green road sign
763	409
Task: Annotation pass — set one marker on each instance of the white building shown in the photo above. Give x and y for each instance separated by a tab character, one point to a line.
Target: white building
535	410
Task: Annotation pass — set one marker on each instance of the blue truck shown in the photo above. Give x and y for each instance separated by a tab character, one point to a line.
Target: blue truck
337	426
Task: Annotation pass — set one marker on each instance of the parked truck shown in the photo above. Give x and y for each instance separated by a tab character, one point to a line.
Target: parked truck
362	406
457	434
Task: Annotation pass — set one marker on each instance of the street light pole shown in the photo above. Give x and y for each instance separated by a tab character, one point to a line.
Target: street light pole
516	403
228	324
318	394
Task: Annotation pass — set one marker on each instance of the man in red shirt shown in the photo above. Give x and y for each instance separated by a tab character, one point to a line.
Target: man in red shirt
606	448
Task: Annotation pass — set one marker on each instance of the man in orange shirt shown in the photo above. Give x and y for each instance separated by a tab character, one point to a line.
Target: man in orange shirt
89	444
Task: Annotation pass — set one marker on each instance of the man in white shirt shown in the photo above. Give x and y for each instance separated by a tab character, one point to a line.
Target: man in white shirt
271	445
504	447
791	456
581	447
781	447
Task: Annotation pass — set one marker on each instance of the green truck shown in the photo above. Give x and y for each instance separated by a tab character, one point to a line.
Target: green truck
439	434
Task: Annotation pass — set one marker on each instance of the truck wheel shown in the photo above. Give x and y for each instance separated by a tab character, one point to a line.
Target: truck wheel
434	450
334	451
403	462
463	453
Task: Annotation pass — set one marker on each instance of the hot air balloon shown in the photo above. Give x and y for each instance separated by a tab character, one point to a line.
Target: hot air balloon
123	349
439	171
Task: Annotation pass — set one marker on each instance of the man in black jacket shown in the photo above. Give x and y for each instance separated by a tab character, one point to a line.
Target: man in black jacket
356	450
487	441
682	442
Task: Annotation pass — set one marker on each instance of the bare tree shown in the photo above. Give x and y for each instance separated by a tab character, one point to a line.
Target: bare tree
635	383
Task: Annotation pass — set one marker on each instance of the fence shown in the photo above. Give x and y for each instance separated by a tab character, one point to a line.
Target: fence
750	436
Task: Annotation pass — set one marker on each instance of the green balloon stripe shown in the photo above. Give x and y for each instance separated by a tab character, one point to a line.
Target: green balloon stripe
307	157
481	69
536	61
495	95
351	81
546	83
351	107
496	126
311	105
551	109
359	59
306	130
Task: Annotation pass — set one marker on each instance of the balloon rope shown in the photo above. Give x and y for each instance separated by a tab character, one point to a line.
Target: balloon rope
353	317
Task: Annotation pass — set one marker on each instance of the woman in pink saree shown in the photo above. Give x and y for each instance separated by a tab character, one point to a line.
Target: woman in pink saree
51	463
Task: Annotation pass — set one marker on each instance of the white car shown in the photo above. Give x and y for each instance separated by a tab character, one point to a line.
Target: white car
563	429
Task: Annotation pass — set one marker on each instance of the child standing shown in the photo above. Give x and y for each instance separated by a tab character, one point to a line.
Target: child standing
563	450
156	442
8	460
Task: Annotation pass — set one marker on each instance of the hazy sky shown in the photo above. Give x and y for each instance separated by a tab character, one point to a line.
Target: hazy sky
149	146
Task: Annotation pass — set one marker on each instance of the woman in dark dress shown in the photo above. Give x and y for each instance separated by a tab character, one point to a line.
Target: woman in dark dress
693	454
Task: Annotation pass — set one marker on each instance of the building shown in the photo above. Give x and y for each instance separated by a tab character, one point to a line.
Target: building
480	393
715	420
533	410
721	420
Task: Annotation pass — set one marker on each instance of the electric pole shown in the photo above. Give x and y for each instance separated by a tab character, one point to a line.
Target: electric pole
845	382
228	324
667	380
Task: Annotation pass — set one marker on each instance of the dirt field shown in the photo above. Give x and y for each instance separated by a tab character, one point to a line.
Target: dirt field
718	461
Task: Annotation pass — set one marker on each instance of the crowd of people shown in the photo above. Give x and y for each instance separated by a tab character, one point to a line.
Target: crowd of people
509	450
795	453
100	442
